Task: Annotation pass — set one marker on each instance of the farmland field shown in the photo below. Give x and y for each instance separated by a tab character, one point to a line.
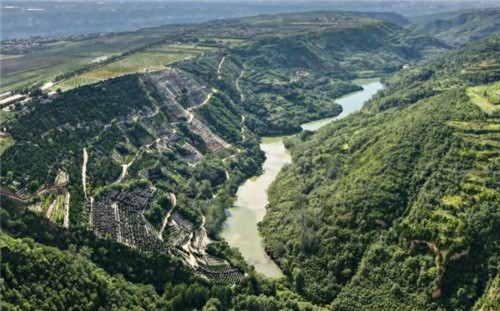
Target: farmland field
45	64
155	58
74	82
6	56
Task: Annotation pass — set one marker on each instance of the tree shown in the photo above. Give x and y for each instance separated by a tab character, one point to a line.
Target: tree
33	186
298	280
213	304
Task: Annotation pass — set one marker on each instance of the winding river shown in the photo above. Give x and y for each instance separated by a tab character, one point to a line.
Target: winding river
240	229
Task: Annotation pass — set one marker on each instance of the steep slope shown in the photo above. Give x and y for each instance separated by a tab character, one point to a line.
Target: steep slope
394	207
27	262
286	78
142	167
459	28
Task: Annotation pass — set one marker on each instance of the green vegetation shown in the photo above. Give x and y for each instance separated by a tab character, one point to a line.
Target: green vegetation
154	59
52	268
393	207
222	116
5	143
381	210
459	28
487	97
287	79
52	136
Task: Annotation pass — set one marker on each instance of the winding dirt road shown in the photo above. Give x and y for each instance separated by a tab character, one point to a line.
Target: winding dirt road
219	67
66	210
173	199
84	171
238	84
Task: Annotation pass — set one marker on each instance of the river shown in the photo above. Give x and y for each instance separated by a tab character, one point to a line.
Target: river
240	229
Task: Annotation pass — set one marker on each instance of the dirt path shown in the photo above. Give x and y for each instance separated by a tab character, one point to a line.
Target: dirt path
54	189
123	173
12	195
91	206
173	199
243	127
84	171
127	165
51	208
238	151
219	67
241	75
238	84
207	99
204	237
191	260
66	210
114	207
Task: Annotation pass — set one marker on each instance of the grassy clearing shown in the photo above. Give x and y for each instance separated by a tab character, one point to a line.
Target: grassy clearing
5	143
5	116
453	200
486	97
58	211
45	202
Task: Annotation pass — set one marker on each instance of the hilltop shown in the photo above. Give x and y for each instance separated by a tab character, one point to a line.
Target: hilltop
459	28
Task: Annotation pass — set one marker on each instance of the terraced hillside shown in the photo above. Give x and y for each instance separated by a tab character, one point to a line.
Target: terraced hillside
398	203
181	129
283	80
146	164
152	138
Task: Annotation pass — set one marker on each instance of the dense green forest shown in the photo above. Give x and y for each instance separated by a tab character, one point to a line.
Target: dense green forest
51	268
396	207
114	194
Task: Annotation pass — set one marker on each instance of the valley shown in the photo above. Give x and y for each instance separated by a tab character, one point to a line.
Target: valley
299	161
241	228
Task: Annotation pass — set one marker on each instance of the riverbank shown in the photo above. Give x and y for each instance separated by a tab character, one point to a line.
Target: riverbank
240	229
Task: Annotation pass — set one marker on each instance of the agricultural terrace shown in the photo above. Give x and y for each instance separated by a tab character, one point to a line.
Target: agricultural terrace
486	97
154	58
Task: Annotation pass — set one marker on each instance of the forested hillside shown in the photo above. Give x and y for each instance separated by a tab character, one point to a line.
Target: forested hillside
396	207
459	28
114	194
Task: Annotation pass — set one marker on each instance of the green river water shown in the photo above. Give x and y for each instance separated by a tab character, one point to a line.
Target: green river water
240	229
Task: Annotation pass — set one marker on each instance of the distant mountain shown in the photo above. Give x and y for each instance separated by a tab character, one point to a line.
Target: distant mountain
459	28
22	19
394	18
